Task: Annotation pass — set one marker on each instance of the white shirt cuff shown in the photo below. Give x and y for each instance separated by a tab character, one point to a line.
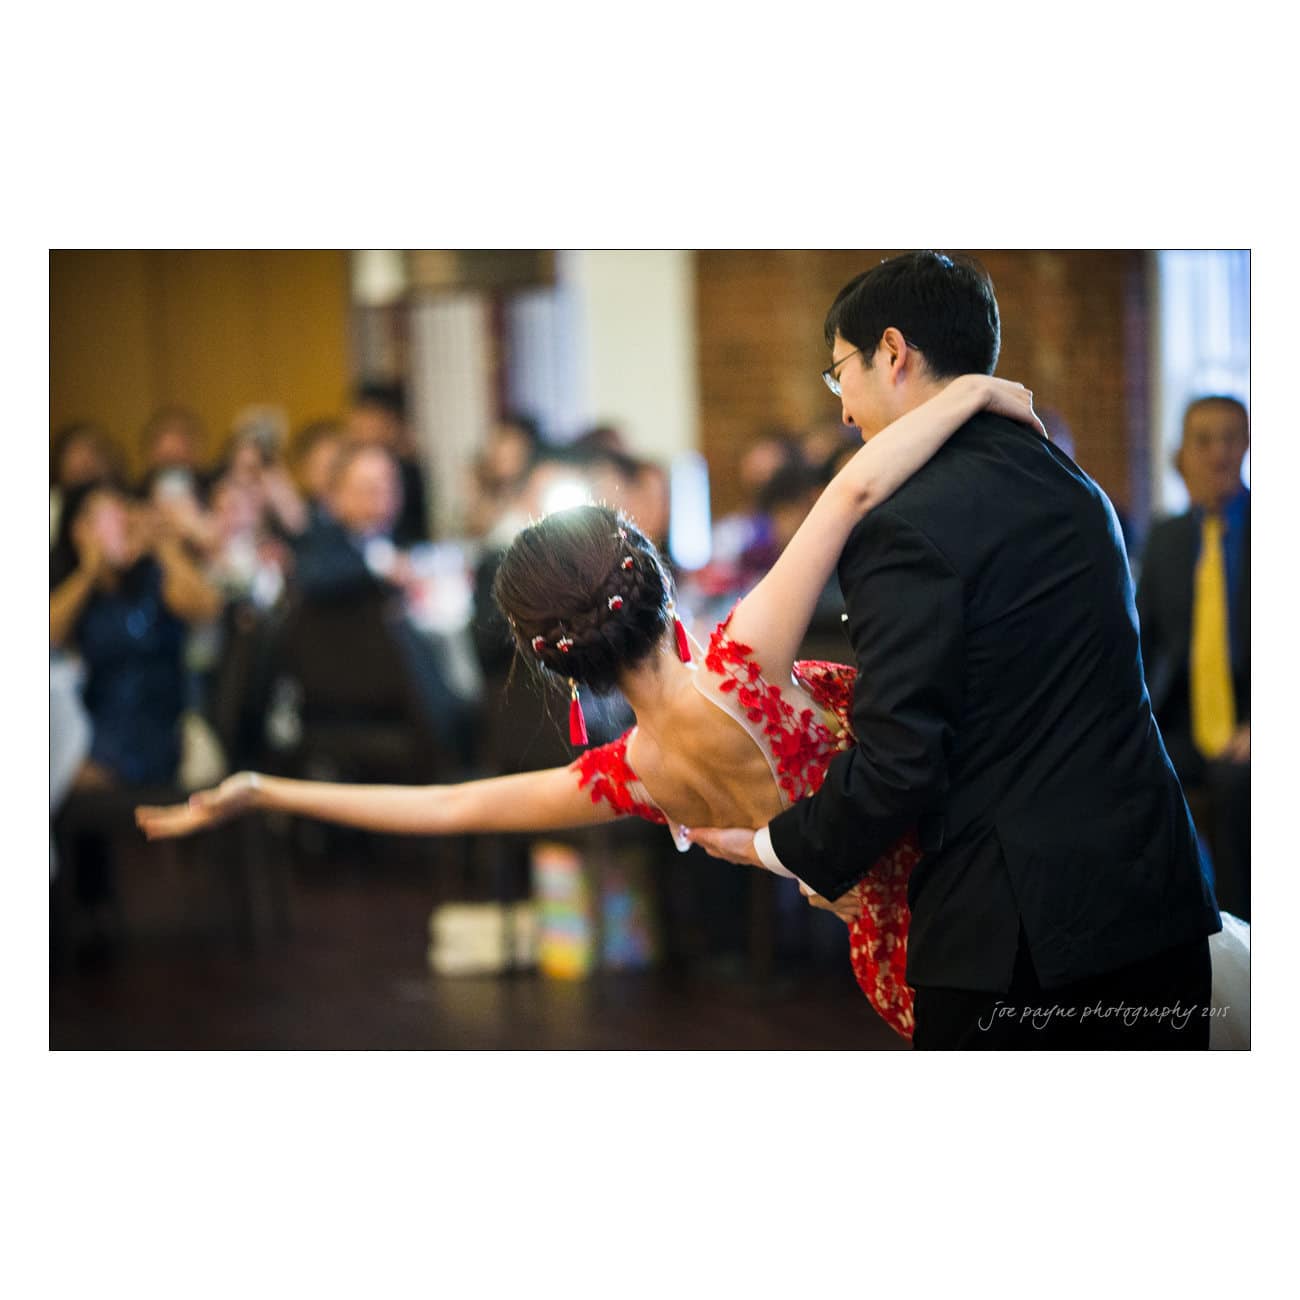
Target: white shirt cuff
767	854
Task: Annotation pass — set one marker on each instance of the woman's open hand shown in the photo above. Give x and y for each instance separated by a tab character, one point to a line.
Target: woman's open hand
1006	397
205	809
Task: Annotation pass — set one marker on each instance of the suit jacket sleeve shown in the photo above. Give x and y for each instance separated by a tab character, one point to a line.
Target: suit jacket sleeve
905	606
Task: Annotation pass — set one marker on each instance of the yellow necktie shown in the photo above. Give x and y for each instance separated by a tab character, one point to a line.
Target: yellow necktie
1213	713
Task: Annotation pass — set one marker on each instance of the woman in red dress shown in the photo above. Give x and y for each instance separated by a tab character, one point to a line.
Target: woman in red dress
727	735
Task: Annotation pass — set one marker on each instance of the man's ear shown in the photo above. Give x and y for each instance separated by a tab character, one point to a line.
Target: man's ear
898	354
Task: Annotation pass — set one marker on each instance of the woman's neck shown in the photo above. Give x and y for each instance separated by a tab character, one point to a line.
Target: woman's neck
655	687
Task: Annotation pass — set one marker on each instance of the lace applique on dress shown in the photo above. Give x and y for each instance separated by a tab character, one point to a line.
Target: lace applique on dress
804	749
800	744
607	771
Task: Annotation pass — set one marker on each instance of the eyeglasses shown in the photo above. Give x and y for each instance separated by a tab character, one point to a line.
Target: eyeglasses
830	378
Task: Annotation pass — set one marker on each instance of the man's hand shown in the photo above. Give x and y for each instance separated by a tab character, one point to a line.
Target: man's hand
1238	749
735	845
846	907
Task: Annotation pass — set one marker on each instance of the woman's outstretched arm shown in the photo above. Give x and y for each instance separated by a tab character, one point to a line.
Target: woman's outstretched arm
774	616
529	801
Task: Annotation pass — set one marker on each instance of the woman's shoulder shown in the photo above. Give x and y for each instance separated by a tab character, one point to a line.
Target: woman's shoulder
609	775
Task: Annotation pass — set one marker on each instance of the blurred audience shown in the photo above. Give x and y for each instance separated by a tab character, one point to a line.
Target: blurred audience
122	590
354	552
315	451
246	560
354	544
79	453
1193	600
498	474
378	418
785	500
255	463
173	439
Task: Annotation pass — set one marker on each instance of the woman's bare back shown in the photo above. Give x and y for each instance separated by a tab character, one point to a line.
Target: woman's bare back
709	771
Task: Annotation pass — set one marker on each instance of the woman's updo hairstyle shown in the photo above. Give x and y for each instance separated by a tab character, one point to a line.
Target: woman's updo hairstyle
574	602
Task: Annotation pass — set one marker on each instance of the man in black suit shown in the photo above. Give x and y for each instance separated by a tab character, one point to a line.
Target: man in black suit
1193	599
378	419
352	553
1000	708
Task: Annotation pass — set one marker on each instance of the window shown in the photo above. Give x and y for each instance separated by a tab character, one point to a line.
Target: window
1203	347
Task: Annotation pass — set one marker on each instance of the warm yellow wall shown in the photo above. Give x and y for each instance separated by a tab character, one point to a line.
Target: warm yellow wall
130	331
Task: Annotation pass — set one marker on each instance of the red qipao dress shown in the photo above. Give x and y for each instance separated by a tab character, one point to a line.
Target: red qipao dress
799	744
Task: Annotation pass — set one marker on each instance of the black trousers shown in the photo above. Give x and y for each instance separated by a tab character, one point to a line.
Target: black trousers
1226	810
1160	1004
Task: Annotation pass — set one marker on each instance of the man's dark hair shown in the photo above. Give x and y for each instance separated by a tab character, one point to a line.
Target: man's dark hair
387	396
525	424
792	485
349	453
169	417
1218	399
71	434
943	306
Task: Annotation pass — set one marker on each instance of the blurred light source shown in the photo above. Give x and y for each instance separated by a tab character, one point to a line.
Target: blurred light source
378	276
690	531
565	494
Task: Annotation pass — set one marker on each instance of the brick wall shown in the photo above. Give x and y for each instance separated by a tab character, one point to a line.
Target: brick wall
1074	329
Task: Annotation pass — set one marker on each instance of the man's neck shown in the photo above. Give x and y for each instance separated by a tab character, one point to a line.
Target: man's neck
916	393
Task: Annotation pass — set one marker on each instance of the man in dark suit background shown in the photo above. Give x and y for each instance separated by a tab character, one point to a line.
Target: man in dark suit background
1000	708
1193	599
351	553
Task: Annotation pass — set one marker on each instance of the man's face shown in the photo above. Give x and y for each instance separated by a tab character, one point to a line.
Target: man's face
863	394
373	424
367	498
83	462
318	466
173	448
1215	440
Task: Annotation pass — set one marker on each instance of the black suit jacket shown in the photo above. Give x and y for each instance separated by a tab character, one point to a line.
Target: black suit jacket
330	565
1001	708
1164	602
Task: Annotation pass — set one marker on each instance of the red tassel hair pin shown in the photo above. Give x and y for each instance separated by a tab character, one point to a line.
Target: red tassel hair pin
679	634
577	723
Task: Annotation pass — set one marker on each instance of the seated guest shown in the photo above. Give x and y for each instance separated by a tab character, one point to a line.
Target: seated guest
1193	601
748	530
247	561
353	546
499	472
354	552
122	590
174	481
315	450
173	439
255	464
80	453
378	418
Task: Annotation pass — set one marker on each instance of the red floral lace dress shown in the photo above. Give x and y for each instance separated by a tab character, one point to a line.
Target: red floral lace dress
799	745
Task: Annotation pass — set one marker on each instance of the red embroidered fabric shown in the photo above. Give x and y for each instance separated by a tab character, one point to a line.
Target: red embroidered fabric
606	770
802	745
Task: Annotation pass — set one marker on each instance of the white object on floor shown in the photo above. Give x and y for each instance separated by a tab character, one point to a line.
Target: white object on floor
1230	986
482	938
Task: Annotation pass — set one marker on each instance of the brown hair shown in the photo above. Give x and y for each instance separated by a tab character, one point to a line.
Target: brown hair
568	578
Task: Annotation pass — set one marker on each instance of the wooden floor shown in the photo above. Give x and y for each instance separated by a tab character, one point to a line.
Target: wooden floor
352	974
